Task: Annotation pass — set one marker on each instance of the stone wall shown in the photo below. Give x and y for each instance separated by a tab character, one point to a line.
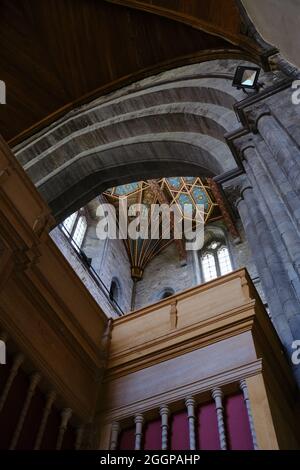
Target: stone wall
166	271
112	263
283	30
100	295
287	113
241	257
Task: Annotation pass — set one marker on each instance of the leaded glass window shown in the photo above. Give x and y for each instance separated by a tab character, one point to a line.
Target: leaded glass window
209	267
224	260
215	261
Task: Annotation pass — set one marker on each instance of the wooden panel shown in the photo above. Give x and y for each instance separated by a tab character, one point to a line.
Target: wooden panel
181	322
171	376
56	53
221	15
221	297
46	310
260	407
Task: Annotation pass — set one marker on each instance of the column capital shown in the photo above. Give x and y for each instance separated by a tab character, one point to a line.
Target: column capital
243	143
217	393
243	384
244	148
254	114
139	419
244	188
115	429
115	426
234	193
244	389
164	410
232	189
190	401
65	416
238	201
34	380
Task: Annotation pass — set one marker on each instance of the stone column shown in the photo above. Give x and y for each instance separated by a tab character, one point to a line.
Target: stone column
285	309
282	229
19	358
65	418
190	404
217	395
164	413
280	181
259	258
290	306
244	388
115	430
139	420
34	380
49	402
275	207
197	268
282	146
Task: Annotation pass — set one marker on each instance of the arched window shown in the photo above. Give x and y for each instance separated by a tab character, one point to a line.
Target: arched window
114	291
224	260
215	261
74	227
79	232
209	267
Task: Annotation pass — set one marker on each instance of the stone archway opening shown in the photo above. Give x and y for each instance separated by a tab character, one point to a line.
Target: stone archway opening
172	124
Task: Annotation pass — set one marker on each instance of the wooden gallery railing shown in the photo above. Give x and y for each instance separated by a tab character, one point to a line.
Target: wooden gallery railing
56	335
212	346
191	423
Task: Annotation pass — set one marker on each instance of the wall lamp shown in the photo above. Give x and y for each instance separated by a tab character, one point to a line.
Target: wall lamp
246	78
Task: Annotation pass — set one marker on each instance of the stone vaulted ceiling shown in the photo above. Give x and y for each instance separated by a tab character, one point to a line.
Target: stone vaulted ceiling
171	124
57	54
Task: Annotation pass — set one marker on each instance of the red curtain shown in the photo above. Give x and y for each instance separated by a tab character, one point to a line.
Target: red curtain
237	423
208	434
127	439
10	414
12	408
179	431
152	435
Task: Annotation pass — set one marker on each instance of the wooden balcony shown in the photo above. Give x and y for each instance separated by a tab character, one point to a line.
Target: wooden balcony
217	335
46	313
211	338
